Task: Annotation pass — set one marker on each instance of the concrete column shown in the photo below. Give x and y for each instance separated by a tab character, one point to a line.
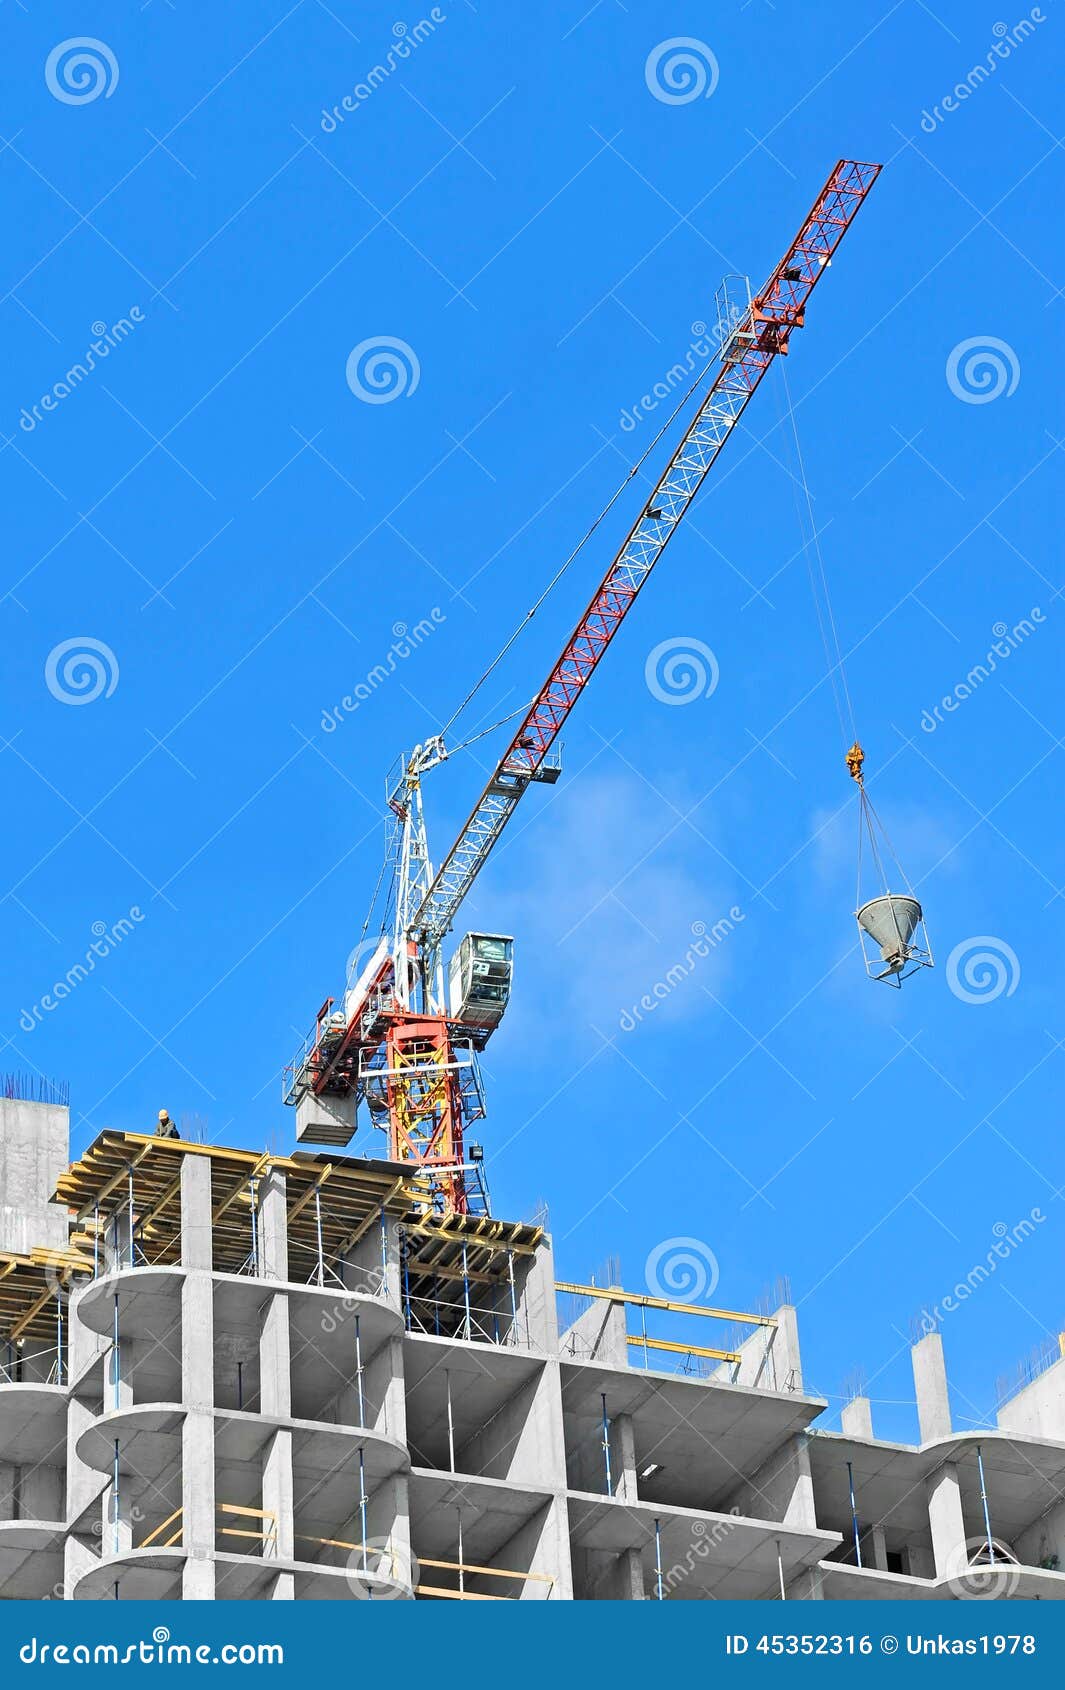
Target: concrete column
391	1416
198	1504
197	1390
83	1483
7	1491
397	1498
856	1418
770	1357
878	1544
930	1381
537	1306
277	1494
782	1489
372	1266
784	1368
630	1577
40	1493
801	1509
196	1204
598	1335
946	1520
275	1363
197	1380
273	1227
119	1524
623	1458
806	1586
197	1340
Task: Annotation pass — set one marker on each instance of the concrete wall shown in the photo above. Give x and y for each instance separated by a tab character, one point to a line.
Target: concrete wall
769	1357
782	1488
1039	1409
34	1151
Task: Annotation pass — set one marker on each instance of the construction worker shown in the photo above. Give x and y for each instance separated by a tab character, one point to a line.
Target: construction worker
165	1127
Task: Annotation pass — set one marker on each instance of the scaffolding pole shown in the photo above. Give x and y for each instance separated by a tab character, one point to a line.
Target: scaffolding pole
466	1292
658	1561
59	1334
116	1351
114	1502
132	1257
606	1448
450	1421
854	1513
318	1234
780	1572
358	1373
253	1193
983	1504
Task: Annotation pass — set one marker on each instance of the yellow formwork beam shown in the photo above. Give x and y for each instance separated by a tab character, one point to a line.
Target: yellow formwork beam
682	1349
490	1572
614	1294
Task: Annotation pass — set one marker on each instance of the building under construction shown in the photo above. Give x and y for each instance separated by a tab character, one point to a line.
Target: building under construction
234	1375
242	1375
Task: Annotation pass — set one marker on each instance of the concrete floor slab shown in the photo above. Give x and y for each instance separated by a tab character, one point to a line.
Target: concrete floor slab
33	1424
31	1558
704	1435
889	1479
704	1555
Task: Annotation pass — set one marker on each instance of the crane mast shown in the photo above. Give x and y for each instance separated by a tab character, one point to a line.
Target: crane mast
400	1042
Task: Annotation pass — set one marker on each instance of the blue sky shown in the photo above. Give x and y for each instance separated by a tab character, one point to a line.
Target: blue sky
218	508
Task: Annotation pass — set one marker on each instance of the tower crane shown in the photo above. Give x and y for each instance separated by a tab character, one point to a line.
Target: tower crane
405	1040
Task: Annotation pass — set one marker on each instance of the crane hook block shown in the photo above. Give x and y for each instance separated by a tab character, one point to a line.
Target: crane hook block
855	759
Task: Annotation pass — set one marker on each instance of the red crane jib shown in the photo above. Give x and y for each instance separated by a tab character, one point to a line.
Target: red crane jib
776	310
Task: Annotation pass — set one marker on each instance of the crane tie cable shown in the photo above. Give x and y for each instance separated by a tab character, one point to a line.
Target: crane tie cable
833	651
